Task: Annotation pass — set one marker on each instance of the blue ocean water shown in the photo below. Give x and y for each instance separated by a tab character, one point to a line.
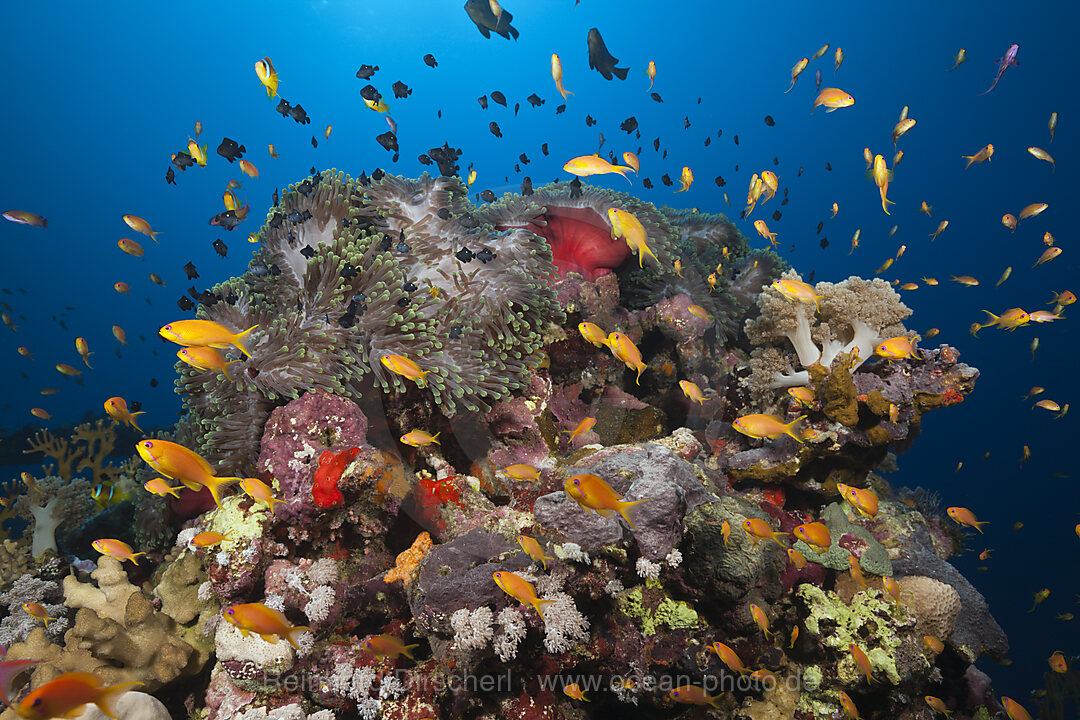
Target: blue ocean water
99	96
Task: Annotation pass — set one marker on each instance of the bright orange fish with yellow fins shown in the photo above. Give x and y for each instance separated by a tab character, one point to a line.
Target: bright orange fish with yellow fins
520	589
593	493
266	622
176	462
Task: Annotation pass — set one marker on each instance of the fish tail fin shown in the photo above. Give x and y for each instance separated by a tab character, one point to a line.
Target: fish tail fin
133	416
422	381
978	525
434	438
620	72
970	159
240	340
174	492
134	561
624	506
775	537
216	484
225	369
640	369
621	169
154	234
789	428
107	699
407	650
295	630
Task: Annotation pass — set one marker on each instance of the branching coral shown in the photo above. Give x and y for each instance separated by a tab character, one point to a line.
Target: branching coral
852	315
55	501
350	271
89	447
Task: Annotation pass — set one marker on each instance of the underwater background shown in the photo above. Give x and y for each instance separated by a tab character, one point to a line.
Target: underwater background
100	95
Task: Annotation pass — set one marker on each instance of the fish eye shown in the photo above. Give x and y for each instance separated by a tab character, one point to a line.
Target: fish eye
148	444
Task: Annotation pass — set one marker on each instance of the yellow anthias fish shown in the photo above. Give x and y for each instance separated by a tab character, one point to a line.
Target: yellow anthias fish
849	706
139	225
593	492
632	160
985	154
686	179
586	165
963	516
176	462
650	70
796	71
584	426
814	534
520	589
248	169
405	367
624	350
832	99
67	695
522	471
728	656
896	348
692	391
901	128
84	350
116	549
1049	254
761	425
117	408
383	646
1032	210
628	227
820	51
593	333
206	333
764	231
1014	710
796	291
881	176
760	618
38	612
264	69
1008	320
693	695
533	550
760	530
838	60
471	179
260	492
205	358
160	487
419	438
1044	156
267	623
556	74
959	58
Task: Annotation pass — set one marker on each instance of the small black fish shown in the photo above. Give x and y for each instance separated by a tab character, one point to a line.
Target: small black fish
720	182
182	161
666	179
498	97
828	166
190	271
388	140
776	215
560	109
480	13
575	188
602	145
800	171
686	123
439	113
429	60
170	176
231	150
366	71
600	59
810	278
494	128
664	155
824	243
526	186
221	248
656	97
517	168
517	106
543	149
464	255
783	202
184	303
314	143
483	102
153	382
307	251
656	144
775	161
629	125
283	107
275	197
485	255
820	225
446	157
589	122
369	93
523	158
708	140
424	159
443	213
401	90
299	114
487	196
647	183
719	132
769	121
535	100
227	219
736	139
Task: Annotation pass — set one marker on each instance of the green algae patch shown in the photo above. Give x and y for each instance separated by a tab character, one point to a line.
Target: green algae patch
240	525
865	622
650	608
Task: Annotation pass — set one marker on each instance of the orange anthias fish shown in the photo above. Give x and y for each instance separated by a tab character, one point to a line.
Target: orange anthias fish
260	492
267	623
521	471
139	225
84	350
797	558
205	358
862	662
117	408
160	487
849	707
384	646
116	549
760	618
520	589
693	695
119	334
419	438
206	333
1049	254
624	350
686	179
632	160
814	534
692	391
68	693
832	98
796	71
593	493
593	333
533	550
406	368
207	539
628	227
985	154
556	75
1057	663
963	516
1008	320
760	425
586	165
23	217
863	500
796	291
728	656
760	530
584	426
573	690
896	348
176	462
38	612
1014	710
129	246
